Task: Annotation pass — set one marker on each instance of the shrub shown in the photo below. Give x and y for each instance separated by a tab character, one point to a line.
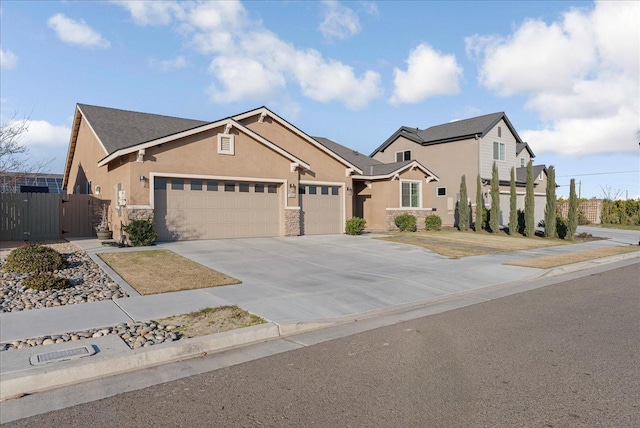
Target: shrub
141	232
405	222
45	281
521	222
34	258
355	226
561	228
433	222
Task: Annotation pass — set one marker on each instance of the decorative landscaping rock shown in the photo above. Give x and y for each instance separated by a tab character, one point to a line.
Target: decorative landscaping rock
135	335
88	283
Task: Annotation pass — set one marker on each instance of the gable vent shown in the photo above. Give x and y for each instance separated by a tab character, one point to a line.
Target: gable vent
226	144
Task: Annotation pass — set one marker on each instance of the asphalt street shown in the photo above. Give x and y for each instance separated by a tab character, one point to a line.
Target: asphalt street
558	356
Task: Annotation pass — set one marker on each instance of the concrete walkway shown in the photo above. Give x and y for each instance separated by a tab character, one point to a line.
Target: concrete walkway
291	280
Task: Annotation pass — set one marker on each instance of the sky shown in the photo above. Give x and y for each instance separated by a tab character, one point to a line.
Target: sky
566	73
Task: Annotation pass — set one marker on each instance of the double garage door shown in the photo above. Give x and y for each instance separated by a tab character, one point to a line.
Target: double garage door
207	209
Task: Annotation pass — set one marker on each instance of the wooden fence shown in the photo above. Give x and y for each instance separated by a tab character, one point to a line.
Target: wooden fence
45	216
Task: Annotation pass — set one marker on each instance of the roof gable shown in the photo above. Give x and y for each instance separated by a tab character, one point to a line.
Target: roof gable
117	129
453	131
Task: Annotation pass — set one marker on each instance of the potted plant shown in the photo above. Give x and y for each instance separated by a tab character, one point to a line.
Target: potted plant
103	230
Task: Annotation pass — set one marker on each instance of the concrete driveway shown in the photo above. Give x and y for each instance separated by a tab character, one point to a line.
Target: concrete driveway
317	277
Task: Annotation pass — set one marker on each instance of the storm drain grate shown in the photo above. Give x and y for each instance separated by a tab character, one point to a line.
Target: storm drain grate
66	354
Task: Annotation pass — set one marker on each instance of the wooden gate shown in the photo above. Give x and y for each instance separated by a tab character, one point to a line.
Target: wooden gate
45	216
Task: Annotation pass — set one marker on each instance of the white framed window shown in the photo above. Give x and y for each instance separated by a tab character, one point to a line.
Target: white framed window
89	188
498	151
441	191
499	131
226	144
522	164
403	156
410	194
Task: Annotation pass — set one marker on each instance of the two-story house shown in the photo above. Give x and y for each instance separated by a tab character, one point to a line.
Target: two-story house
468	147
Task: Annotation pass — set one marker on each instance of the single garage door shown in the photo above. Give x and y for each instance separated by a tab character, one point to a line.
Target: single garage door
321	210
207	209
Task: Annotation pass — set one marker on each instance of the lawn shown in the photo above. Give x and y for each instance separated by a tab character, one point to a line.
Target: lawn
211	320
549	262
456	244
617	226
162	271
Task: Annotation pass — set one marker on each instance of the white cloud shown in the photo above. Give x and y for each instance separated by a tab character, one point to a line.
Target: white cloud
250	62
8	59
151	12
580	75
339	21
76	32
429	73
44	134
168	64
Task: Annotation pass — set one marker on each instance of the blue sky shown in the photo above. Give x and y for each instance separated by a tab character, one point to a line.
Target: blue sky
566	73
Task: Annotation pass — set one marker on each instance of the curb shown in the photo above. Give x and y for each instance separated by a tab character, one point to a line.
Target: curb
23	382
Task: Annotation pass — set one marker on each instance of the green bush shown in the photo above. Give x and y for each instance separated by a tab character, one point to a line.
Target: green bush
561	227
355	226
141	232
405	222
433	222
45	281
34	258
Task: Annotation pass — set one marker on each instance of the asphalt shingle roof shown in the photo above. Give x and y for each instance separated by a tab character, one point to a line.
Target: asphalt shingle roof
118	129
363	162
460	128
521	173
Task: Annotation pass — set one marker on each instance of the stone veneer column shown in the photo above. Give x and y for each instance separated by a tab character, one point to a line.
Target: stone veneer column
139	214
291	222
420	215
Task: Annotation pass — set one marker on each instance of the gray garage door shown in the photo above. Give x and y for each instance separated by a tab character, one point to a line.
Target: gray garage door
321	210
207	209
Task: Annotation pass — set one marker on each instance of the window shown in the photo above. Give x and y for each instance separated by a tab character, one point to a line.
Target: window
499	131
89	188
403	156
442	191
196	185
324	190
258	188
498	151
334	191
229	187
160	183
302	190
212	186
522	162
244	187
313	190
272	188
226	144
177	184
410	194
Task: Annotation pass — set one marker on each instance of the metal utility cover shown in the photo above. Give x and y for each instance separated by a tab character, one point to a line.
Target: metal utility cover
66	354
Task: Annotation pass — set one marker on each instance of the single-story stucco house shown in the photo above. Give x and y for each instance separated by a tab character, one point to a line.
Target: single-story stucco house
249	175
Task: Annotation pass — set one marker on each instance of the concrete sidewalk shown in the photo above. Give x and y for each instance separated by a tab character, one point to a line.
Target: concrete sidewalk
297	284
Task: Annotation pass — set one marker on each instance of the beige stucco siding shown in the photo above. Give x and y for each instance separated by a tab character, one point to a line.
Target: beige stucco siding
197	156
449	161
84	166
324	167
486	152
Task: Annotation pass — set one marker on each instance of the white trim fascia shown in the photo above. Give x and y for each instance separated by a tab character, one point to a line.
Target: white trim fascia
153	175
398	171
198	130
292	208
412	209
419	193
290	127
139	207
336	184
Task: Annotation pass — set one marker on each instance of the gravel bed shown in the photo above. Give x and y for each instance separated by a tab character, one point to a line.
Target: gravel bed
88	283
136	335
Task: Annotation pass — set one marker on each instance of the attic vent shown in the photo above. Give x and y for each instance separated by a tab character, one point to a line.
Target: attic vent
226	144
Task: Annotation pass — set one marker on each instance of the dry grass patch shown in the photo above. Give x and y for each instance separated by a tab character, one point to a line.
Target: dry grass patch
549	262
456	244
162	271
211	320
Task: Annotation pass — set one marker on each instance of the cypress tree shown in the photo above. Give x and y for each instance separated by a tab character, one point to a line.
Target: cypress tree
572	221
479	208
494	223
529	205
513	204
550	209
463	206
